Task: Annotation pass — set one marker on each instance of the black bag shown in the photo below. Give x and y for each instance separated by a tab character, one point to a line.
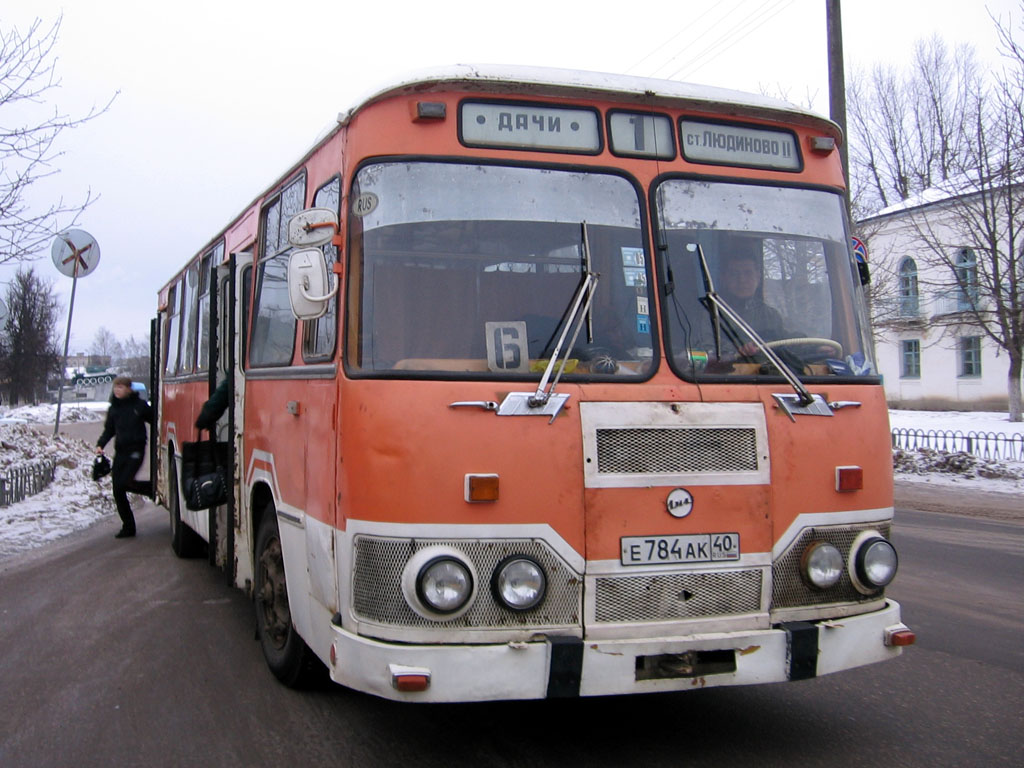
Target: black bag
204	474
100	467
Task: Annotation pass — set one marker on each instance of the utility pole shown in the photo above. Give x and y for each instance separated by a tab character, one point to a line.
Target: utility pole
837	82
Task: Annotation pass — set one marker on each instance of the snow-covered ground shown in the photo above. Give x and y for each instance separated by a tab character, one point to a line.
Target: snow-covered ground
960	470
74	501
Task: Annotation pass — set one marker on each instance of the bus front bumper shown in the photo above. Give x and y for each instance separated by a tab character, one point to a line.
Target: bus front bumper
563	667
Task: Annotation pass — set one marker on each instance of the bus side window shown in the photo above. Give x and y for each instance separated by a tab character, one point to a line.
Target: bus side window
246	292
208	262
187	358
318	336
273	326
171	332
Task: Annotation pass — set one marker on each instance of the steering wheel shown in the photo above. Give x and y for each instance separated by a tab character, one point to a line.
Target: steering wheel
810	344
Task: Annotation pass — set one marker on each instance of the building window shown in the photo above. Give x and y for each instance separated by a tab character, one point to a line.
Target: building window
908	288
967	279
970	356
911	359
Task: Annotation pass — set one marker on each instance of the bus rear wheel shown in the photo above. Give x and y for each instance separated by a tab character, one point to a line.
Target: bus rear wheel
287	654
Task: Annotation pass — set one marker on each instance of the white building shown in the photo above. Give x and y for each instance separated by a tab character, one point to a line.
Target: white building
930	285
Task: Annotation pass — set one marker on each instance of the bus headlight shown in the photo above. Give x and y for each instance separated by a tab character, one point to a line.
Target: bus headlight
444	585
519	583
874	562
822	565
439	583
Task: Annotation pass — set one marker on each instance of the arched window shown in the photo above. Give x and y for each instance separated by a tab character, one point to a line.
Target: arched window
967	279
908	288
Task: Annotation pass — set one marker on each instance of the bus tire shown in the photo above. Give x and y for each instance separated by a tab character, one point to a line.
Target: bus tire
287	654
185	542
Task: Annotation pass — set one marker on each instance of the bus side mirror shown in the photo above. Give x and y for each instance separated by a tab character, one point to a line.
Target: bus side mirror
312	228
308	291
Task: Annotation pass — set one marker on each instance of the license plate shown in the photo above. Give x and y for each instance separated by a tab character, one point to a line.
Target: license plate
668	550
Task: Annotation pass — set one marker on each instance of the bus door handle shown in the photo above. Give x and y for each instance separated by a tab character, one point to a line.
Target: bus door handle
487	405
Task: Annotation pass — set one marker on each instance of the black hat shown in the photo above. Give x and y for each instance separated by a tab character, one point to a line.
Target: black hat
100	467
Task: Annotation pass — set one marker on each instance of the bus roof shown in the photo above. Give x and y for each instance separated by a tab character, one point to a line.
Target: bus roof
644	91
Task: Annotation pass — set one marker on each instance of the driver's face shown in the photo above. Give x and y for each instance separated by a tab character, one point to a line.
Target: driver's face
742	277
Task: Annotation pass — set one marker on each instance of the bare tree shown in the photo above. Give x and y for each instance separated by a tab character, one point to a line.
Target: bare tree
29	131
134	359
961	141
105	344
908	132
28	346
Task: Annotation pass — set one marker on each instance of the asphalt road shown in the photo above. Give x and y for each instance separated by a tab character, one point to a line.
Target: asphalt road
115	653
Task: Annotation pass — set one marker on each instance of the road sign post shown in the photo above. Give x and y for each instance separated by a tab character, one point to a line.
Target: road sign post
75	253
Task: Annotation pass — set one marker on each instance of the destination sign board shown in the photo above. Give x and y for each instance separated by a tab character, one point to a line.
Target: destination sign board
521	126
721	144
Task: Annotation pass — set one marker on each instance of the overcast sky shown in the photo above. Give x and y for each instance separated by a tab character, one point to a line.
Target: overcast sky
218	98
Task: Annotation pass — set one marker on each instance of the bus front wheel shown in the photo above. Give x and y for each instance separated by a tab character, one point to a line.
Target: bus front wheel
287	654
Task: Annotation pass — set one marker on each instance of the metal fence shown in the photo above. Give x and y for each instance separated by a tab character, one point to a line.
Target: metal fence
985	445
22	481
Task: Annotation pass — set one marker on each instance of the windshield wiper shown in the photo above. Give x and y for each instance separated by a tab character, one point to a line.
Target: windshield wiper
716	304
711	306
578	315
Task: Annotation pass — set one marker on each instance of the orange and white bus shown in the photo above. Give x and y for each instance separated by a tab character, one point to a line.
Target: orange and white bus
504	422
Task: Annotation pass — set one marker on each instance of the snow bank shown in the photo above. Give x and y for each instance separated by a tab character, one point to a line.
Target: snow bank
47	414
71	502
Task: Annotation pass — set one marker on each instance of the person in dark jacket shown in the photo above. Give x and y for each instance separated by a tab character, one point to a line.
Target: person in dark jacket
741	288
126	422
213	408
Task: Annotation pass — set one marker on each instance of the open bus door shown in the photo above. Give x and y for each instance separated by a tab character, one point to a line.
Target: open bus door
154	402
227	328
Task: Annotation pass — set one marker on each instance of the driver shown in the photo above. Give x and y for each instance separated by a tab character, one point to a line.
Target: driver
741	289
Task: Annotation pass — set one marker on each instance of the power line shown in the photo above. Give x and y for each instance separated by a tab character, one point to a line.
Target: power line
733	36
721	19
671	39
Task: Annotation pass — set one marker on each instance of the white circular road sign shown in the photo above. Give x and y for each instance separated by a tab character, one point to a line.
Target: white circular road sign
75	253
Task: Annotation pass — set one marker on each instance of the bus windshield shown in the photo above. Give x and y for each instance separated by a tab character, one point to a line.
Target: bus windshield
471	269
779	258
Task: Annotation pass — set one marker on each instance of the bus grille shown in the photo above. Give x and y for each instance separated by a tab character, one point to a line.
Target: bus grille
789	590
377	590
666	597
669	450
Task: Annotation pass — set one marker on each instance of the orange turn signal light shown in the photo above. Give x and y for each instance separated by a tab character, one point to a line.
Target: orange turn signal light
409	679
411	683
900	636
481	488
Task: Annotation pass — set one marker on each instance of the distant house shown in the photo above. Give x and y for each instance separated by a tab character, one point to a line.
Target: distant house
930	290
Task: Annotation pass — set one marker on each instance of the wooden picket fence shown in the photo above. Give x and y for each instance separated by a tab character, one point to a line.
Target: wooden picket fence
24	480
